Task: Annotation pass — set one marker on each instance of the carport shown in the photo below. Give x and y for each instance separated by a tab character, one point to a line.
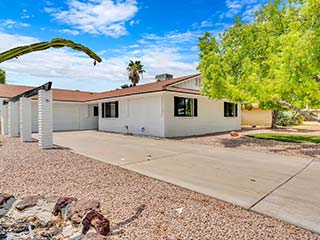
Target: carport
17	116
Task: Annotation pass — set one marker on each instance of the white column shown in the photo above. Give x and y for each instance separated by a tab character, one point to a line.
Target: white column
13	119
25	119
45	119
4	120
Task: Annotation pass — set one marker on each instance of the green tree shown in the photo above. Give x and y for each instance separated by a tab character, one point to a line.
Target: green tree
3	76
135	70
55	43
274	61
125	86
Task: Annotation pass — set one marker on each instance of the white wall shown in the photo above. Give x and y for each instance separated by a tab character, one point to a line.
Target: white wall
210	117
136	112
155	112
193	83
1	107
68	116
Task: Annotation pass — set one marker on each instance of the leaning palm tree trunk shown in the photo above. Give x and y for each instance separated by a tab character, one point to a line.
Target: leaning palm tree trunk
55	43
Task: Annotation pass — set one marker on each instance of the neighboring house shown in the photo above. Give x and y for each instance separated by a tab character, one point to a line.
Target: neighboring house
166	108
256	117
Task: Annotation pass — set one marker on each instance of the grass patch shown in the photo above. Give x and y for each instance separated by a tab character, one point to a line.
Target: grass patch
295	138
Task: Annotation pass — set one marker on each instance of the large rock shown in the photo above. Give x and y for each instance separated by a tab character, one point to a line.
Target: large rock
6	202
62	204
79	210
97	221
27	202
51	218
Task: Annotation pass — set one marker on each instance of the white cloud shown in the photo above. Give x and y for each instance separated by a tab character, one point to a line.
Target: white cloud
68	31
245	9
98	17
9	24
74	70
25	14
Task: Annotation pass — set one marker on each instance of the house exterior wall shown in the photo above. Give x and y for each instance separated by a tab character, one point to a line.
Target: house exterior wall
68	116
256	117
1	114
193	83
3	118
210	117
137	112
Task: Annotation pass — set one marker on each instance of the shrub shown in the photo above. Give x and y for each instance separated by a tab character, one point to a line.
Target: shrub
289	118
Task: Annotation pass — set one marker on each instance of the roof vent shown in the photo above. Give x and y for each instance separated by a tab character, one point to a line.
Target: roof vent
164	76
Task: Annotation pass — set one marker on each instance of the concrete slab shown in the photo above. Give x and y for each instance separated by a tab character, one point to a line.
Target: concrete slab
241	178
263	180
298	201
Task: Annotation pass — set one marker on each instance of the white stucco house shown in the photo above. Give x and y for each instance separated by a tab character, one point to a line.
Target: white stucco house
165	108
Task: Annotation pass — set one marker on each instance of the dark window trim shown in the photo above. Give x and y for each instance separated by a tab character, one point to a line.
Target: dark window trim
95	111
194	107
228	111
104	109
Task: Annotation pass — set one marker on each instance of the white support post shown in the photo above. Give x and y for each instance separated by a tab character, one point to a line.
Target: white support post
13	119
25	119
4	120
45	119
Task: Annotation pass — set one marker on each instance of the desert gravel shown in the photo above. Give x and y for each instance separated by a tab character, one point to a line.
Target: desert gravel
306	150
138	207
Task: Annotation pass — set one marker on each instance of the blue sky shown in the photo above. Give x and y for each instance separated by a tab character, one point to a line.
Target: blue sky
162	34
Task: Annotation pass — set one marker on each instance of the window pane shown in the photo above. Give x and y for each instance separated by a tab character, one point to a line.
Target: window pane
111	110
183	107
230	109
189	107
95	111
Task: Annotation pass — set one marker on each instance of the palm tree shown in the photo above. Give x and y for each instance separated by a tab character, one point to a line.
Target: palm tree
135	70
2	76
55	43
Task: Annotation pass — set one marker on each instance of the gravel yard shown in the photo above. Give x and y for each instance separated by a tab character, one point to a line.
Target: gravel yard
138	207
306	150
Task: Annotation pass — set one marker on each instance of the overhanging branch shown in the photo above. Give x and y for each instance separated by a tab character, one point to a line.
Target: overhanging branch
306	114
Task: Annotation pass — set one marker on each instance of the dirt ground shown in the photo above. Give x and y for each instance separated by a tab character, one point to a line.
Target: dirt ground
307	150
138	207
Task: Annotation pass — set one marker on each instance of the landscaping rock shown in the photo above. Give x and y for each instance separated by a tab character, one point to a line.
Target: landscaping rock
62	203
27	202
234	134
6	202
79	210
97	221
47	218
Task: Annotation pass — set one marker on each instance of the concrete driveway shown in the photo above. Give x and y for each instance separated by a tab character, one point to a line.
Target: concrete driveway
283	187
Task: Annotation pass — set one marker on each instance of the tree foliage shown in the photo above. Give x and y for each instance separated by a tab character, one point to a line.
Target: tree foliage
55	43
274	61
135	70
125	86
2	76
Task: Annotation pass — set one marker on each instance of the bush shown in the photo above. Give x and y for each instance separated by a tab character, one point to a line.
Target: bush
289	118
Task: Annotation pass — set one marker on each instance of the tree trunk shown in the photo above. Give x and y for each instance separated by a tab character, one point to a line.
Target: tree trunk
275	114
306	114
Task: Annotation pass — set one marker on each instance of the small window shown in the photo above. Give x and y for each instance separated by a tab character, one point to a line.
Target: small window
185	107
230	109
110	110
95	111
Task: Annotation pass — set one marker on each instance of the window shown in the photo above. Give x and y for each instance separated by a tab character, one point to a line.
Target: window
185	107
230	109
110	110
95	111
